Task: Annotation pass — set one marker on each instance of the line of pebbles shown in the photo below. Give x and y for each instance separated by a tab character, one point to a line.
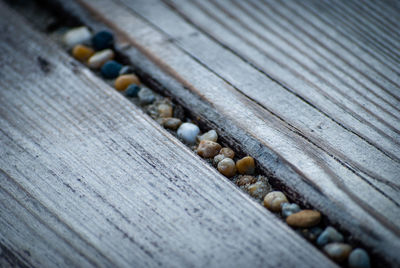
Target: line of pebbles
96	51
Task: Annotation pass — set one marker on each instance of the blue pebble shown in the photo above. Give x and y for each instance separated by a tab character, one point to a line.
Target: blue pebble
289	209
102	40
132	91
359	259
110	69
329	235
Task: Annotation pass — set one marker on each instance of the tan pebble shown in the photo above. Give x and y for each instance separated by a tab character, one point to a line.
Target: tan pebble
171	122
123	81
164	110
208	149
82	53
227	167
218	158
304	219
337	251
228	152
99	58
209	136
246	165
273	200
245	179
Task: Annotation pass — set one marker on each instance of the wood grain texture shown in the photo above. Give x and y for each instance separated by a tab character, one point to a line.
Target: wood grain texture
88	180
326	124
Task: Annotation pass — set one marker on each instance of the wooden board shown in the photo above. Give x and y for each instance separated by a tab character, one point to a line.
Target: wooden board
319	113
87	179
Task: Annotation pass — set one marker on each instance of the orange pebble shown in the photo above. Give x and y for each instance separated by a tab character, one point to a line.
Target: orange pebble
123	81
82	53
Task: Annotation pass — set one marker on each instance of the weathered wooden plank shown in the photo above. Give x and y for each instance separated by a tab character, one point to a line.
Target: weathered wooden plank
87	179
348	170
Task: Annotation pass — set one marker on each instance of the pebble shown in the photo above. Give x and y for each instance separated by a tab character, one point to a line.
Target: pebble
188	132
218	158
82	52
329	235
123	81
359	259
304	219
99	58
76	36
208	149
246	165
228	152
245	180
227	167
258	190
273	200
110	69
146	96
337	251
311	233
132	91
102	40
289	209
171	122
164	110
126	70
209	136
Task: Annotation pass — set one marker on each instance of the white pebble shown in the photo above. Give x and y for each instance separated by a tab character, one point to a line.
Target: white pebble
76	36
99	58
188	132
209	136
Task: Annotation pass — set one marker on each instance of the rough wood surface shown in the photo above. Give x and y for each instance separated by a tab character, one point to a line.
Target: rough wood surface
86	179
318	106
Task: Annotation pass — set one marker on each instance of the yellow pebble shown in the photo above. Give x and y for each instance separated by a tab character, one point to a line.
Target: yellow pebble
82	53
123	81
246	165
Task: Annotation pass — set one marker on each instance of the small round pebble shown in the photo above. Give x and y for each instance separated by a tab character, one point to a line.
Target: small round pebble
208	149
329	235
337	251
289	209
171	122
273	200
146	96
311	233
123	81
228	152
126	70
218	158
245	180
209	136
188	132
82	52
359	259
132	91
246	165
110	69
304	219
258	190
76	36
99	58
227	167
164	110
102	40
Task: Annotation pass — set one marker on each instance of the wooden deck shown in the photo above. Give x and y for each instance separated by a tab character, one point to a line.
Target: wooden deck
310	89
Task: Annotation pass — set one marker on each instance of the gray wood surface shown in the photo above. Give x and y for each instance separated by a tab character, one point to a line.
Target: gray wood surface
305	94
87	179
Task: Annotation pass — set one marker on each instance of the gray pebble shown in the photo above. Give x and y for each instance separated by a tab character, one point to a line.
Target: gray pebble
329	235
126	70
76	36
146	96
359	259
288	209
188	132
337	251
